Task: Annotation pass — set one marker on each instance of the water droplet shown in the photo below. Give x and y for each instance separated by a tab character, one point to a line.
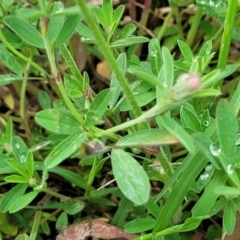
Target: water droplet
59	10
206	123
22	158
85	39
209	167
230	169
153	53
204	176
215	151
17	145
165	84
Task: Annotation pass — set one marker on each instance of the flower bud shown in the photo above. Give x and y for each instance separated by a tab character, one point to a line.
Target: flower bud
186	84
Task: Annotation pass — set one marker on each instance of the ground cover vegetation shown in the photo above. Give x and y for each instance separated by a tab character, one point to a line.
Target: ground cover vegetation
119	120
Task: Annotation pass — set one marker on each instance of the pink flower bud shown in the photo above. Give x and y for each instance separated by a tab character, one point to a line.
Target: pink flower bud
186	84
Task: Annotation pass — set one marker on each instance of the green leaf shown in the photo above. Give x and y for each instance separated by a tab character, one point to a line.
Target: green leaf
85	33
56	22
139	225
62	221
166	74
97	108
150	137
66	11
227	127
22	201
217	206
70	176
100	16
68	29
30	164
228	192
115	88
58	121
205	49
118	15
216	75
189	119
208	199
7	227
8	2
127	31
23	236
205	120
25	30
107	10
12	38
64	150
229	168
71	207
189	224
120	43
18	167
25	13
183	137
10	61
152	207
130	177
155	55
16	179
229	217
142	100
185	50
146	75
10	197
6	79
206	146
71	83
44	100
19	148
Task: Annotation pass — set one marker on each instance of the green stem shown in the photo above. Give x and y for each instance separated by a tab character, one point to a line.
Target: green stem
36	223
165	25
159	109
227	33
177	14
71	63
107	52
69	102
13	50
49	50
23	92
143	22
55	194
166	165
194	27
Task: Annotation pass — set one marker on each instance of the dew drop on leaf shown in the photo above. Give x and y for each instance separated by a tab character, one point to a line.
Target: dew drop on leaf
206	123
153	53
230	169
17	145
209	167
204	176
22	158
215	151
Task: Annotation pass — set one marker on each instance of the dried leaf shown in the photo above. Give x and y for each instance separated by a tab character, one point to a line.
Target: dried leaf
103	71
94	229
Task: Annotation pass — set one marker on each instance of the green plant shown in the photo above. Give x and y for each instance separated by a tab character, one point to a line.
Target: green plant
169	102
